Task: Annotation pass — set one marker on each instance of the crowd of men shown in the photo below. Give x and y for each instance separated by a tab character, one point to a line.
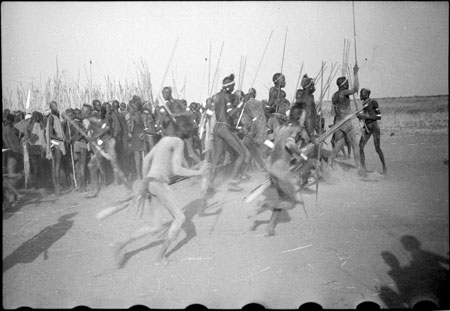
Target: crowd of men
102	143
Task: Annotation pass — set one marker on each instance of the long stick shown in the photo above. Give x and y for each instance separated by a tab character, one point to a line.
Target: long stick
320	133
284	50
217	67
354	31
209	69
71	156
299	77
351	82
90	72
262	57
167	68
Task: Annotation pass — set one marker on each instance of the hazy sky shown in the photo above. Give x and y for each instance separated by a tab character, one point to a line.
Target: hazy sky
402	47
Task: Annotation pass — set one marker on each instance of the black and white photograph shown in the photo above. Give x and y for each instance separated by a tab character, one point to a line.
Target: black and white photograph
274	154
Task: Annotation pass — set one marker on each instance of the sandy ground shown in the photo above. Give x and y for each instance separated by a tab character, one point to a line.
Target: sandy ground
383	239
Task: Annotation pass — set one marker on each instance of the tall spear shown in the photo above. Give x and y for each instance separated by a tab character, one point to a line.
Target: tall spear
354	32
165	72
320	131
262	57
298	80
209	68
90	83
217	67
284	50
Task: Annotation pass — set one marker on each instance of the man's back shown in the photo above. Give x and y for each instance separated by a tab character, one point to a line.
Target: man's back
161	157
221	100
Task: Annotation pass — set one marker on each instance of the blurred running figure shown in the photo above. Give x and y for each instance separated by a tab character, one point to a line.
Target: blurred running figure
370	115
341	103
161	163
279	160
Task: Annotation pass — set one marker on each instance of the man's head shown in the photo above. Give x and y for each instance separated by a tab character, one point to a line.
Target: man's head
69	114
279	80
123	107
228	83
167	93
77	113
308	84
193	106
53	106
9	120
364	94
115	105
86	111
136	99
342	83
295	113
37	116
108	107
251	93
96	104
183	104
182	126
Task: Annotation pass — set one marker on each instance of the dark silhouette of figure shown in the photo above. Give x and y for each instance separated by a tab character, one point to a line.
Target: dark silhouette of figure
40	243
424	279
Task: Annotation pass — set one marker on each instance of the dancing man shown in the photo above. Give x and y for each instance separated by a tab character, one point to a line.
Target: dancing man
161	163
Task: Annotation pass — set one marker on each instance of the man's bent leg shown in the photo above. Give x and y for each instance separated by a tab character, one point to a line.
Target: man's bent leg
351	135
376	140
166	196
362	143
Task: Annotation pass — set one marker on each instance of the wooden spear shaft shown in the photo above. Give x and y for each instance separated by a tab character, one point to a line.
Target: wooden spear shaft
284	50
354	32
217	67
262	57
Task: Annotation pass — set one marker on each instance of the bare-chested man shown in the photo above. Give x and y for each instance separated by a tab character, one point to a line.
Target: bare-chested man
278	103
163	161
370	115
79	150
224	133
176	109
279	160
55	144
341	102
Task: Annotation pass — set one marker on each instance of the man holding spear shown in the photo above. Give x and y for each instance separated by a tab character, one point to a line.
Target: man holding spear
224	134
341	104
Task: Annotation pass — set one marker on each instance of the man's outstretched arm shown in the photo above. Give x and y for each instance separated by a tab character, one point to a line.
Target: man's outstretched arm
177	159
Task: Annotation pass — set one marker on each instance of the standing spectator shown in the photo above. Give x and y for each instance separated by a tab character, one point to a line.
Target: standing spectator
37	149
137	126
11	142
55	144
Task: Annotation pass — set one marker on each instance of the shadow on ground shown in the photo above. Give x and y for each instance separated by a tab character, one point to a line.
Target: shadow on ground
40	243
423	279
197	207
